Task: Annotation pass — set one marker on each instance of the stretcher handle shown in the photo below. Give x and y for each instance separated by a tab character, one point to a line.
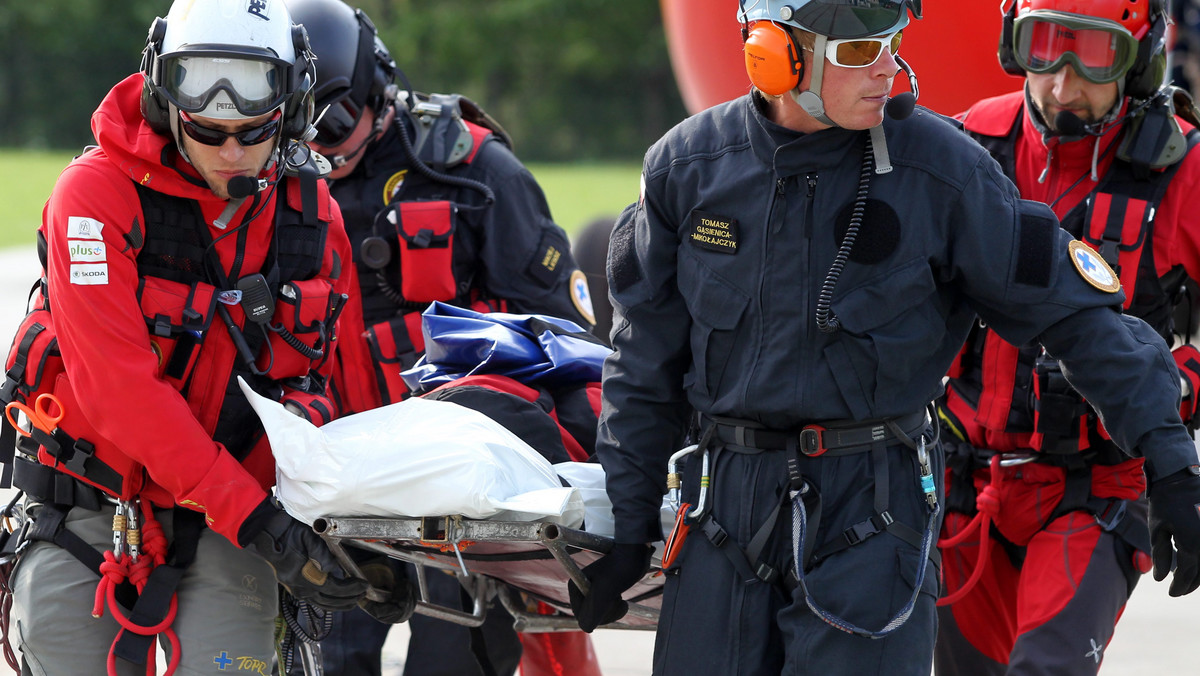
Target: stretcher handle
373	593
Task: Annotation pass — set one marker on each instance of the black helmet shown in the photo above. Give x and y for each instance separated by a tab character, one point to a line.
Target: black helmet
355	71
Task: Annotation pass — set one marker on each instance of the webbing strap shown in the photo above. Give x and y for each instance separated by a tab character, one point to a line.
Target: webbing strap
49	526
155	599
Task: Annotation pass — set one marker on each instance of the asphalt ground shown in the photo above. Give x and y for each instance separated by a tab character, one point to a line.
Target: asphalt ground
1155	636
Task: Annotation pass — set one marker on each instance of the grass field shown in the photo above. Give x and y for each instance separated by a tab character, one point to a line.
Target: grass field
577	194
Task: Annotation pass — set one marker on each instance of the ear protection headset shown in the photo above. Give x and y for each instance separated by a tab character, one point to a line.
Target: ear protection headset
297	110
1144	78
772	58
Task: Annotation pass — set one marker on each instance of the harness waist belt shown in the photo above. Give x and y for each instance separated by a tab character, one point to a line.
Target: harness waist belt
814	440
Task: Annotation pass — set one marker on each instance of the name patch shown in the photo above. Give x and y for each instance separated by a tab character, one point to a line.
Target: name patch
713	232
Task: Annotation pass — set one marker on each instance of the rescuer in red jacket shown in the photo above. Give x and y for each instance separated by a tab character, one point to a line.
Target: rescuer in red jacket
196	246
1036	489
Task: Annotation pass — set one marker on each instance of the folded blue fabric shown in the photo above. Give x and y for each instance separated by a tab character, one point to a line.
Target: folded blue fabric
538	350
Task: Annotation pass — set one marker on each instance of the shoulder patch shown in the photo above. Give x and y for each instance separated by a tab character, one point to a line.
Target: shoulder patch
89	273
581	296
82	227
545	266
1092	267
392	186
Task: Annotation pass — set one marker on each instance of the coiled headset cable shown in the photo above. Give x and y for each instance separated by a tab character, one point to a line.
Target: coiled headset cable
827	321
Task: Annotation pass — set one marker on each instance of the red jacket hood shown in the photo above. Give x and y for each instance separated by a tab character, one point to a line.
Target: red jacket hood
137	150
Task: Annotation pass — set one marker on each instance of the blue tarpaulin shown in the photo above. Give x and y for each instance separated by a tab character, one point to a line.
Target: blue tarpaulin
537	350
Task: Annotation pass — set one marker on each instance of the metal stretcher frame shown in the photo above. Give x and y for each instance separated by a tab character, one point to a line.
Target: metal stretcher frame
495	560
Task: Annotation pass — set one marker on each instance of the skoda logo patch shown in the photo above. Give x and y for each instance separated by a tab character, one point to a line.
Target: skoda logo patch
1092	267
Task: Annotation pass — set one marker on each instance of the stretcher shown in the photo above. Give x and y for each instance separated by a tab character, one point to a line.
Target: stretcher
524	565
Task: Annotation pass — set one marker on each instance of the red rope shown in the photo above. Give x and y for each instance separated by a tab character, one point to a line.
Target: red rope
116	568
988	504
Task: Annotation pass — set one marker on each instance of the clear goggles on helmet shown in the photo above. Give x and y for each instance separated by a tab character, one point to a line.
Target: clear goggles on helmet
1101	51
850	19
224	85
861	52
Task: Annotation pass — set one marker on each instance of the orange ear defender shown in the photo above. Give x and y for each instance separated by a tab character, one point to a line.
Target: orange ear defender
772	59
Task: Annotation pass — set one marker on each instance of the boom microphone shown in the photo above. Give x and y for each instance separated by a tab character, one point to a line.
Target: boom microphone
901	105
1069	124
240	187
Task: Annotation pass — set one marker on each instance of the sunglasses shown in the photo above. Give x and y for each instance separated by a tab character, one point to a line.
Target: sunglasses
216	137
861	52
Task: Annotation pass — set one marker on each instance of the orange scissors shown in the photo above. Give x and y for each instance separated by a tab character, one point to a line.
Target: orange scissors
45	415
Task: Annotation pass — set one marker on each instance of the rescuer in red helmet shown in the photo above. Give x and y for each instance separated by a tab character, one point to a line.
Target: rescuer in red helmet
1046	533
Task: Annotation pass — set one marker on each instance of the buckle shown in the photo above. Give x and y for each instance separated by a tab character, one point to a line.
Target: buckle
810	441
865	529
766	573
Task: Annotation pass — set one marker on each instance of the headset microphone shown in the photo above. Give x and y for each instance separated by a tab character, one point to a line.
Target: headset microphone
240	187
901	105
1069	124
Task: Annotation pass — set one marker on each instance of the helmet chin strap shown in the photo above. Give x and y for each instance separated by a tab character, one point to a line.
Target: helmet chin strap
810	99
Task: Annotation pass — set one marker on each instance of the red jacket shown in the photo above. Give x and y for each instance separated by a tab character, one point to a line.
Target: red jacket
1067	181
112	367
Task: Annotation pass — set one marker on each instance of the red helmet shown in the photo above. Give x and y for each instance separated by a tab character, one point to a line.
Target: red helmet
1104	40
1132	15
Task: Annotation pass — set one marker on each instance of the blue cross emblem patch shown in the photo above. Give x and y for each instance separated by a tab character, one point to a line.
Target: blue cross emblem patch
1092	268
222	661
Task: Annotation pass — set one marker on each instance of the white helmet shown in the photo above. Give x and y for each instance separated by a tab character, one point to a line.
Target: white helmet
227	59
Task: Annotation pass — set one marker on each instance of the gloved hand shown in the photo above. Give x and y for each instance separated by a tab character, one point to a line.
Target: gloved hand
402	596
1175	514
302	561
611	575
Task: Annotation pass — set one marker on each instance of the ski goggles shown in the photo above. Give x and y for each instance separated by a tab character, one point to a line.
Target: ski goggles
224	85
861	52
1101	51
845	19
215	137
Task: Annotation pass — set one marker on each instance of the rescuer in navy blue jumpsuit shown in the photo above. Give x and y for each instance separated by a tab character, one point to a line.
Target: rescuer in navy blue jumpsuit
790	287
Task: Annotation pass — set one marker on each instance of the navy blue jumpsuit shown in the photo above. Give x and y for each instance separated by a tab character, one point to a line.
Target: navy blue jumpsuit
715	274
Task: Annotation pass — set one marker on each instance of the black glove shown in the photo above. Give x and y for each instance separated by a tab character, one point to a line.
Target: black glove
402	596
609	577
1174	505
302	561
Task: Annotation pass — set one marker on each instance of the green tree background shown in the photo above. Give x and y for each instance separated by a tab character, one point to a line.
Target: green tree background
584	80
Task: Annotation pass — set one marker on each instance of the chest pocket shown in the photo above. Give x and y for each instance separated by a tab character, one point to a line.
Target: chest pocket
177	315
890	328
717	308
